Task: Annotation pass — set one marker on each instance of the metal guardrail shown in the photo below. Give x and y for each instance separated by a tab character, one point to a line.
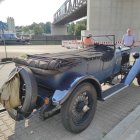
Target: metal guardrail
42	40
69	7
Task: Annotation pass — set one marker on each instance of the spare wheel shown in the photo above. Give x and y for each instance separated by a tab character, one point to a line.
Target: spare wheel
28	94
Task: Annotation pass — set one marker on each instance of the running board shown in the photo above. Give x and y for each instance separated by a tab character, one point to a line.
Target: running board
113	90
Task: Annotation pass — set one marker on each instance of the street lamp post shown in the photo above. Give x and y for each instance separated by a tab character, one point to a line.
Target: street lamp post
4	43
2	26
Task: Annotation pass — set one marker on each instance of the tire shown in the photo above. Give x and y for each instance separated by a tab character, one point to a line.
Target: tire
78	111
28	82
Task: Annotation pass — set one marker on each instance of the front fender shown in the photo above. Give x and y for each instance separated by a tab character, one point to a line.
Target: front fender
68	84
134	71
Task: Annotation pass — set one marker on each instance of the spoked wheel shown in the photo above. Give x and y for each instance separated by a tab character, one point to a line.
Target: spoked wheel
78	111
28	95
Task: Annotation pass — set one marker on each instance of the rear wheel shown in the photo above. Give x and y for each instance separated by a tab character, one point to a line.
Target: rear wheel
78	111
28	95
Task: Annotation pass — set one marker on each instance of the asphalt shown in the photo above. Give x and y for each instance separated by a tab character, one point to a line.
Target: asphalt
118	118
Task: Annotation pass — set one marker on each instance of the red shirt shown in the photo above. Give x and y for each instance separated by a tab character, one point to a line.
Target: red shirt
88	41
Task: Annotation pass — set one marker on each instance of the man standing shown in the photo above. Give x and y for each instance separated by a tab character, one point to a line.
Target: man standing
128	39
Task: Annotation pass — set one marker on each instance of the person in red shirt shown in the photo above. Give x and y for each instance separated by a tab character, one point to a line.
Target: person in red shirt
88	41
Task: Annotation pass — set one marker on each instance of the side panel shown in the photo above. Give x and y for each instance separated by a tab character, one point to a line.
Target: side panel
117	63
67	85
108	59
95	67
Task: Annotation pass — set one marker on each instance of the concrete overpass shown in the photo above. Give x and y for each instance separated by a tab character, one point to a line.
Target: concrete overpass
103	16
71	10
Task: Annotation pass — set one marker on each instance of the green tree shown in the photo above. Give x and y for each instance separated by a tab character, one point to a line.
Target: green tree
32	26
81	25
42	25
71	29
47	28
38	29
25	29
75	28
35	28
19	28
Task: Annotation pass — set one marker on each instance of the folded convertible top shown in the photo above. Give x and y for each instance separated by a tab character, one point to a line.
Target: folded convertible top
57	61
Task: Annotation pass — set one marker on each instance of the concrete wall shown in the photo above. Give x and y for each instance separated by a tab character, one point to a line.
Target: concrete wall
113	17
59	29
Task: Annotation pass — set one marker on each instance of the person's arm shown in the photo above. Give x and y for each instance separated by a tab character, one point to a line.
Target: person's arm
133	44
123	40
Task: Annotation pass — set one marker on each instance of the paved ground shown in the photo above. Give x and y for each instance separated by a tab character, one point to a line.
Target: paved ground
21	50
108	115
127	129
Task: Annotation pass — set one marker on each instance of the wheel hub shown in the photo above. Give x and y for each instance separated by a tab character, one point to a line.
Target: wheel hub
80	106
85	108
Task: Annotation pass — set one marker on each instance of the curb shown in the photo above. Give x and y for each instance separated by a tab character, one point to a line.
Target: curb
118	131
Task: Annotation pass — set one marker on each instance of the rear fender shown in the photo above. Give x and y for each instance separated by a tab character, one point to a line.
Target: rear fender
69	83
132	74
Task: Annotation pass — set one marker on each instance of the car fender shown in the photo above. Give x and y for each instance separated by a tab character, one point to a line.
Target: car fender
69	82
132	74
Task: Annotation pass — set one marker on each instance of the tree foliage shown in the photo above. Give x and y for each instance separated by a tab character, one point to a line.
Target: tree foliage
36	28
75	28
47	28
39	28
71	29
25	29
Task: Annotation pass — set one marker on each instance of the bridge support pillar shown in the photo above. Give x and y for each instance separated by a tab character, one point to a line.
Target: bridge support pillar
113	17
58	29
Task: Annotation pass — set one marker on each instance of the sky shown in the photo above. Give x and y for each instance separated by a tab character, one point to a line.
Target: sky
25	12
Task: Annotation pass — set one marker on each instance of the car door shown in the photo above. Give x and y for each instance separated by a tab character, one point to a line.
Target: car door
95	64
108	61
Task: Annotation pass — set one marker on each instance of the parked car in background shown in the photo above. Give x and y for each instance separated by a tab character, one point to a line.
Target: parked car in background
12	39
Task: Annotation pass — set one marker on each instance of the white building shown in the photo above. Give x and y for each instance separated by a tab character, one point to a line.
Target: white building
11	24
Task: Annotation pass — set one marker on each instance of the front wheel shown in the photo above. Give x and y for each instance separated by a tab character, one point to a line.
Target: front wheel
78	111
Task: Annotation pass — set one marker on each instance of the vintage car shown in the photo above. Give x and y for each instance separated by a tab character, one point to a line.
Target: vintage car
70	82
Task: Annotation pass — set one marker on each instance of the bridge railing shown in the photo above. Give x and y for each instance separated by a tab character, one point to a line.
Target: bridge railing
67	8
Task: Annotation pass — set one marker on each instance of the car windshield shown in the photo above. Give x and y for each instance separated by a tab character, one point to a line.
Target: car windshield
107	40
104	39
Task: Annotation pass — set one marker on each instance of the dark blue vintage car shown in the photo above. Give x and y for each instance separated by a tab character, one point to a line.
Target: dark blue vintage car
70	82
